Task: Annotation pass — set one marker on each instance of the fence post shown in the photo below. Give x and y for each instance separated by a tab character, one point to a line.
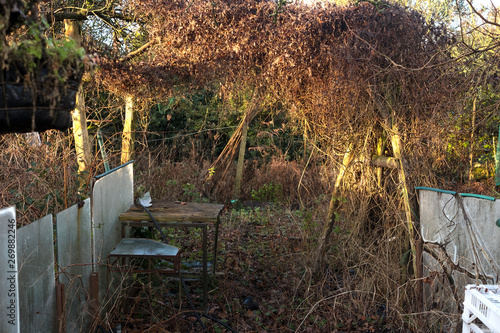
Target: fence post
94	299
61	308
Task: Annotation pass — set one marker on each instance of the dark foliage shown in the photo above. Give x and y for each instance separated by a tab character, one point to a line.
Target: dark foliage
39	78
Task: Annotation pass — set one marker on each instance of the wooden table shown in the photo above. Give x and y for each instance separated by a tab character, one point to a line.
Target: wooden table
175	214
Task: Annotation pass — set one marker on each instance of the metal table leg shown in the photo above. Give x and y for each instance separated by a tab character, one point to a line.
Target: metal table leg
214	264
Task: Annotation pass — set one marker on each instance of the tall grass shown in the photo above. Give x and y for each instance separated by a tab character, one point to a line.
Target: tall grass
38	177
265	247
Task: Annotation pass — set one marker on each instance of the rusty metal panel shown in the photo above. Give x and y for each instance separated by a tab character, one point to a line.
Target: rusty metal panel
112	194
74	258
37	299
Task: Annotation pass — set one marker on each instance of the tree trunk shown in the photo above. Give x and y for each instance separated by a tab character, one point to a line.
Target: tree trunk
129	127
241	161
80	133
324	240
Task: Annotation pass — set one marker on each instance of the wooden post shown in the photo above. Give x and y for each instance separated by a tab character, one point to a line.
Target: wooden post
471	144
82	142
61	308
381	143
128	137
241	160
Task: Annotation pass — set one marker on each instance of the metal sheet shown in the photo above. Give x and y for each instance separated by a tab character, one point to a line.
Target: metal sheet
466	230
461	231
74	257
37	297
143	247
112	195
9	288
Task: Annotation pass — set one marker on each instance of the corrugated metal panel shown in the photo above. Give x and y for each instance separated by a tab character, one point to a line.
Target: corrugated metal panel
37	298
74	257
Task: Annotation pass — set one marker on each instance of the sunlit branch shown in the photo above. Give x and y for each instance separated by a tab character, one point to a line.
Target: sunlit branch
139	50
485	20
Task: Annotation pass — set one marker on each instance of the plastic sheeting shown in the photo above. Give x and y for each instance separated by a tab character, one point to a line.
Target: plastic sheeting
24	108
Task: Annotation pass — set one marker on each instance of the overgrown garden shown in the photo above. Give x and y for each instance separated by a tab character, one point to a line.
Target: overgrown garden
313	123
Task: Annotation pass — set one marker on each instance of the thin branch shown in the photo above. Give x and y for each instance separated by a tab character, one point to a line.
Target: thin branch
67	16
451	263
82	14
485	20
140	50
426	65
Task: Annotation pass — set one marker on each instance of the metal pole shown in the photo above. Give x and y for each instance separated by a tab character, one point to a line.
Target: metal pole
205	275
103	151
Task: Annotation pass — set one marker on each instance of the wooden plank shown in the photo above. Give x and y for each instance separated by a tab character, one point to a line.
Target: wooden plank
385	161
172	211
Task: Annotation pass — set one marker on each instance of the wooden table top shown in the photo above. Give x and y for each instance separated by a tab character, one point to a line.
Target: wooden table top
174	211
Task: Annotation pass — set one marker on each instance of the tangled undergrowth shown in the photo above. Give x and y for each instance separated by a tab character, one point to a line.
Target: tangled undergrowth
265	254
38	174
266	241
335	70
263	257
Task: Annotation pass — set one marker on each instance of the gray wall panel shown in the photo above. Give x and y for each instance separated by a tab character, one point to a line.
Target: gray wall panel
37	297
112	195
458	231
74	258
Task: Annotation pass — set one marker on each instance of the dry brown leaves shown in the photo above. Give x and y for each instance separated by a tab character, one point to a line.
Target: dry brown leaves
330	62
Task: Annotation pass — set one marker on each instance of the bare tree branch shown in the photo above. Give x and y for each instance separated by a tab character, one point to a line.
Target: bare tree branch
139	50
485	20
